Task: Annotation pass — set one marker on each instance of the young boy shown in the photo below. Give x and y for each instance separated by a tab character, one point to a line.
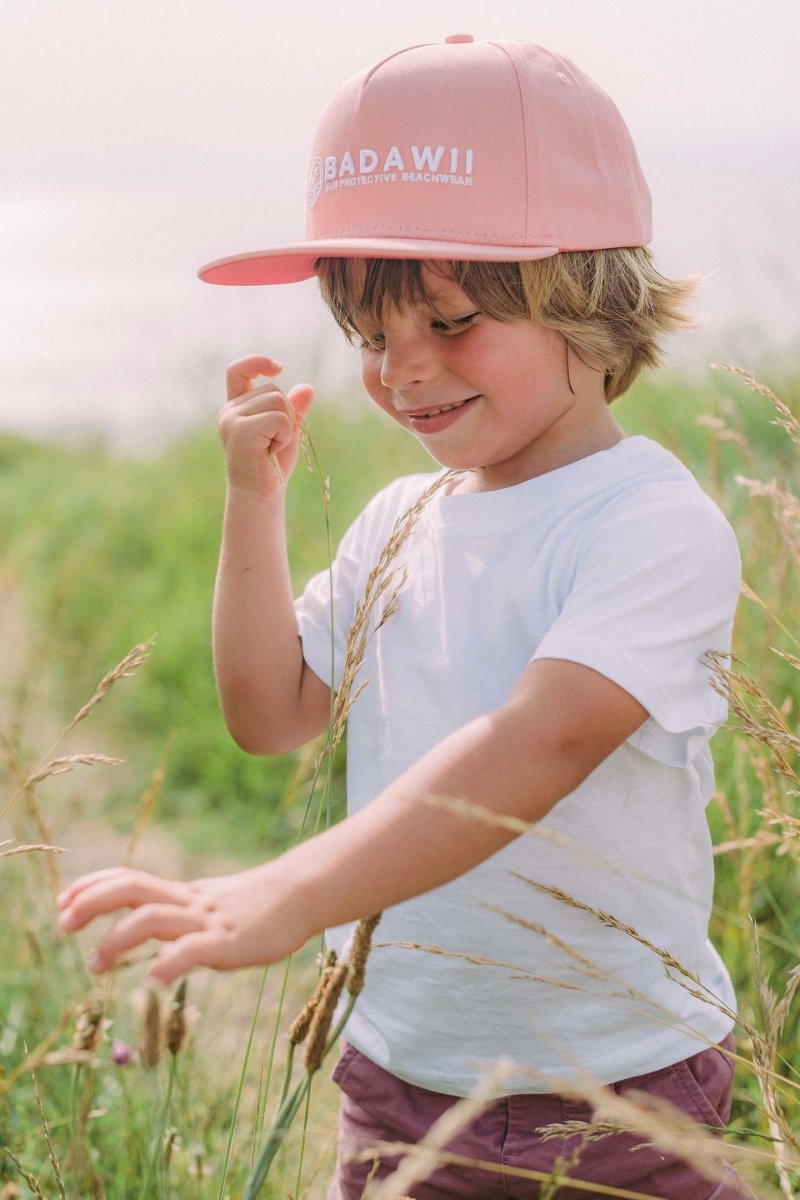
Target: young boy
477	218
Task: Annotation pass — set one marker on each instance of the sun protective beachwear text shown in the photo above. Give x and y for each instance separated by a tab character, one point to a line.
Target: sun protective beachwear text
418	164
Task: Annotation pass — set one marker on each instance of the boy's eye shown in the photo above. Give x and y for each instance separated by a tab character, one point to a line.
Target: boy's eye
447	326
453	325
372	341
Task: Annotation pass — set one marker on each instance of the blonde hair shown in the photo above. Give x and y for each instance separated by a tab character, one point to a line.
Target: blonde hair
611	306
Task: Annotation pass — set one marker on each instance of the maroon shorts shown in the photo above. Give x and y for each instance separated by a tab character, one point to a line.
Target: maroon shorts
378	1107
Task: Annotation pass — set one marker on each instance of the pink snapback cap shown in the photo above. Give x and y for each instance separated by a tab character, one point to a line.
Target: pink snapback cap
464	150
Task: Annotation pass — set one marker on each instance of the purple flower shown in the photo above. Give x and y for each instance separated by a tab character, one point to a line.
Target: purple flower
122	1053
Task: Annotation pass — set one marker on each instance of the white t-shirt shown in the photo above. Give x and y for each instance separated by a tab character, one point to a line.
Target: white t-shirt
618	561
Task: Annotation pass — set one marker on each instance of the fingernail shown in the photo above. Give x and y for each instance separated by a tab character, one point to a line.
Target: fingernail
95	963
67	919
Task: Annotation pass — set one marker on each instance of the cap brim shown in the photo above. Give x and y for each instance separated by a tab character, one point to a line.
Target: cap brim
289	264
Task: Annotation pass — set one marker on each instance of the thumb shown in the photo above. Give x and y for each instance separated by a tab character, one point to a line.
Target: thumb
300	398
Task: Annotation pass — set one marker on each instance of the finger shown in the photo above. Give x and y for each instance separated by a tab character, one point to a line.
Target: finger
193	950
258	401
164	922
273	430
241	373
122	889
301	398
67	894
263	389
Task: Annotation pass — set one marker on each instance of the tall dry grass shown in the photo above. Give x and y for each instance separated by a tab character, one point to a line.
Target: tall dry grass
768	1156
89	1129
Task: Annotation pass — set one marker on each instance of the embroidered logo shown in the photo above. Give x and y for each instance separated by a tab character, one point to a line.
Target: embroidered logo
315	182
451	165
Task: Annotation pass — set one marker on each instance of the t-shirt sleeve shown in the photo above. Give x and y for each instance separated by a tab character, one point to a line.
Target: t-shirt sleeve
358	551
655	589
314	610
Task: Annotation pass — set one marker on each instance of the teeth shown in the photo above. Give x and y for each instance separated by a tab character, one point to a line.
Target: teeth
434	412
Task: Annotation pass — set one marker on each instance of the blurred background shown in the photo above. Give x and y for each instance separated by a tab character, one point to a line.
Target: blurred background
141	139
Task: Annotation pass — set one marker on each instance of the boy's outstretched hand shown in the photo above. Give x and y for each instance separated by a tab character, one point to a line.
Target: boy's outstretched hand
226	922
260	426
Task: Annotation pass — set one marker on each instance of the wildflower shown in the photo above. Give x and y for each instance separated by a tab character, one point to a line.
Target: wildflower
122	1053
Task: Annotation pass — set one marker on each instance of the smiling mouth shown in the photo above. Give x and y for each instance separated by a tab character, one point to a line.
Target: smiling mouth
424	414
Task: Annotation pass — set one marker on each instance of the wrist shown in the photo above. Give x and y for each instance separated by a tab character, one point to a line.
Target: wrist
301	873
255	501
277	896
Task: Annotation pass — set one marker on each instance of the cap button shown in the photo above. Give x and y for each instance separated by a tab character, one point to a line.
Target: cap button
459	37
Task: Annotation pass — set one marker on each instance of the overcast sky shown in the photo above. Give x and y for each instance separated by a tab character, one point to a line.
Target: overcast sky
141	138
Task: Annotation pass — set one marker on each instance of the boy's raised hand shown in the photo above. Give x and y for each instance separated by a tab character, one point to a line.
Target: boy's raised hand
226	921
260	427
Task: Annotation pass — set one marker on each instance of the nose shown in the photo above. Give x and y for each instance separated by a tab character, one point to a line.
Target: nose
408	359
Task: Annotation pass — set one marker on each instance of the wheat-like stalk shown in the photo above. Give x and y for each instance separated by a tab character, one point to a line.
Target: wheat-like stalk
144	811
314	1023
60	766
28	848
38	1056
28	1176
90	1023
663	1126
518	825
46	1128
444	1158
765	1052
671	964
125	668
626	996
359	953
322	1018
300	1026
786	419
175	1027
150	1045
515	970
785	510
381	592
764	723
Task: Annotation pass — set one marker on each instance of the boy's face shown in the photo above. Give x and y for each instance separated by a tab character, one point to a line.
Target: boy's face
485	395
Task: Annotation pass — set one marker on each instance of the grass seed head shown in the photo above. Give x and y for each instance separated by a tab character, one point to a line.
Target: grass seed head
89	1024
175	1033
150	1046
323	1017
300	1026
362	943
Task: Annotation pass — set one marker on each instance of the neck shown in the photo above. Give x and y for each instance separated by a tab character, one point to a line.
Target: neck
548	453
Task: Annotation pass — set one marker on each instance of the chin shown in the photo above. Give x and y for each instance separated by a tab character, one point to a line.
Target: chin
453	461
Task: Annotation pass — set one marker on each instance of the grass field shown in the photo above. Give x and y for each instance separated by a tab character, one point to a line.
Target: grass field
99	553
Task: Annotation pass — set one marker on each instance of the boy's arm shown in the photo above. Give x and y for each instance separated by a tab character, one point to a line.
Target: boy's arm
270	699
560	722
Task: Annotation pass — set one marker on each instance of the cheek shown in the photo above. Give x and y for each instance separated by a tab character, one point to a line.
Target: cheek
371	377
